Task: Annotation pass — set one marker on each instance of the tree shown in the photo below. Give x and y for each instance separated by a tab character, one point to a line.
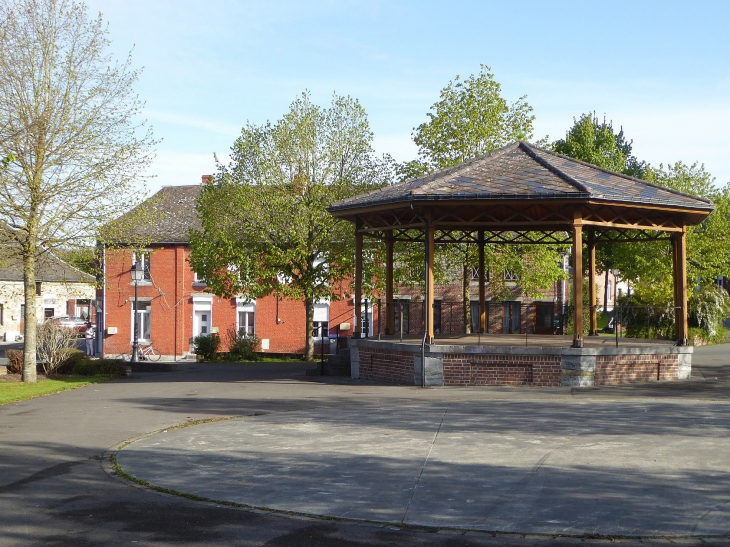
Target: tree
649	266
68	118
265	225
471	119
596	142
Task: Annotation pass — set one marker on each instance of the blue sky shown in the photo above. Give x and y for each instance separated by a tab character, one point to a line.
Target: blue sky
659	69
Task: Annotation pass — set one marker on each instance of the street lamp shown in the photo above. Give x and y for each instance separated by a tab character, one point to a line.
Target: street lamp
137	275
615	304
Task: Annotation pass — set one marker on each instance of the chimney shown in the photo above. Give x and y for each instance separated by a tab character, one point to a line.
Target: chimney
207	179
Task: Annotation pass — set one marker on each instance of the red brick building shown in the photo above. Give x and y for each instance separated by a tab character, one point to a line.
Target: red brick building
174	307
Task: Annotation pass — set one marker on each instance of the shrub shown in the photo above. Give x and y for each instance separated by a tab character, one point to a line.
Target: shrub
241	346
54	345
73	357
15	360
207	346
100	367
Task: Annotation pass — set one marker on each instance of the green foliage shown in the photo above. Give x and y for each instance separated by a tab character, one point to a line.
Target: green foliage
646	315
471	119
207	346
115	368
240	346
597	143
265	225
81	258
708	306
73	358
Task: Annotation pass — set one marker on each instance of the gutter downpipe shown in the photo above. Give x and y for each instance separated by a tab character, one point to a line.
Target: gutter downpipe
425	304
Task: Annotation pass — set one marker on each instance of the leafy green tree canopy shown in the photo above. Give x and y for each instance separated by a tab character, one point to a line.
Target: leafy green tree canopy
471	119
266	229
596	142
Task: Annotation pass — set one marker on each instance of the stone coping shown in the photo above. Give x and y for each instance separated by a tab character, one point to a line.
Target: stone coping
521	350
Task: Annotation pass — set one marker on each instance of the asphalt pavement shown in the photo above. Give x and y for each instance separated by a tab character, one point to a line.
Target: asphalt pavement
340	462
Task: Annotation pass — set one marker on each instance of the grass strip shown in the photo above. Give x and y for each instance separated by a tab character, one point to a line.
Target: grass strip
12	392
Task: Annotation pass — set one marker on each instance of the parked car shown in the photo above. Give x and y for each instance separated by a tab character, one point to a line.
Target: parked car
70	322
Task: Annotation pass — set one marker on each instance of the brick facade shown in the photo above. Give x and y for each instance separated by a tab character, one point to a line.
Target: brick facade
621	369
386	366
501	370
170	294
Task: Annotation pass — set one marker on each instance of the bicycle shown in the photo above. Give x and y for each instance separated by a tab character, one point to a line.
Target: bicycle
144	353
148	353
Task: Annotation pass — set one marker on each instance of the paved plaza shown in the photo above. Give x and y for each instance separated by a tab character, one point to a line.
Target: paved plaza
339	462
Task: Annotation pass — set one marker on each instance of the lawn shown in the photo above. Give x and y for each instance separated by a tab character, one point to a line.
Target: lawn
13	391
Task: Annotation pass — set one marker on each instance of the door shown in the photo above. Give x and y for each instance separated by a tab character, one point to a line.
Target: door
544	318
201	323
511	319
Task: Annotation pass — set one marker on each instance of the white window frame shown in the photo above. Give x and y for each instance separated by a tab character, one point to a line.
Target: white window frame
321	318
143	322
244	305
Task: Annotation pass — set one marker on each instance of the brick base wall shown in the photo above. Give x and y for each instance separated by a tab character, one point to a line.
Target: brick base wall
501	370
621	369
387	366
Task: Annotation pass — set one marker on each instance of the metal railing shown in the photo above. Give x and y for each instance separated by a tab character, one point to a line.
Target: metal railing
523	318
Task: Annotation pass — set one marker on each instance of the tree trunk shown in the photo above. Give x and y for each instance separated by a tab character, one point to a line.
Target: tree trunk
466	296
29	331
309	345
605	293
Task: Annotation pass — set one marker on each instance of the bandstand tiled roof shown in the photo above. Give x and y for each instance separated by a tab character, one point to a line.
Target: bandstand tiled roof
522	171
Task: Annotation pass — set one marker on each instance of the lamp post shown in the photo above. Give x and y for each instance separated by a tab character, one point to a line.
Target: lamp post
137	275
615	304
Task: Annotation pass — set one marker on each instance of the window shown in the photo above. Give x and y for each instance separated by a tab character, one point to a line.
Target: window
38	288
2	315
609	290
143	259
321	329
246	323
142	309
22	312
510	275
475	274
198	280
321	320
48	313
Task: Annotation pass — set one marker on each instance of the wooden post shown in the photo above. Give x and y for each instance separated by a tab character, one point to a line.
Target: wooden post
593	327
389	283
482	287
358	282
679	248
430	235
577	279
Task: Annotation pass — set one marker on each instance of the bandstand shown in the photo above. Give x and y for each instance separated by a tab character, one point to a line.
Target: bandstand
522	194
